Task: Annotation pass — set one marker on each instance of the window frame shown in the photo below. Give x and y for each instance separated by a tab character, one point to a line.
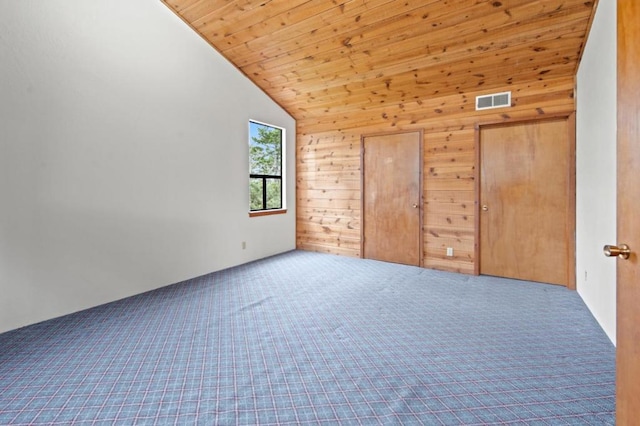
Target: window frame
265	211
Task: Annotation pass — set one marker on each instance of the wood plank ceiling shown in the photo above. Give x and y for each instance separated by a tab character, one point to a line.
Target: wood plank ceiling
337	56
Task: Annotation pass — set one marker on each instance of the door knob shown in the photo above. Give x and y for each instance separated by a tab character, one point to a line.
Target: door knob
622	251
485	207
415	206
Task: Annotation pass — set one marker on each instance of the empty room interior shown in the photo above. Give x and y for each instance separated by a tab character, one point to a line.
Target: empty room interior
319	212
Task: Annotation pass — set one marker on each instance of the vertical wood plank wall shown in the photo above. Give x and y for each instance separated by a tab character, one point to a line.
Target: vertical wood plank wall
328	167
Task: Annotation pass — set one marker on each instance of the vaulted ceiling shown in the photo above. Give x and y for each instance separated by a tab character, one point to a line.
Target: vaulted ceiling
316	57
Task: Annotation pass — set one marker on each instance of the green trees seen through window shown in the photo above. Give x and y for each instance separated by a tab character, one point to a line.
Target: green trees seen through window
265	167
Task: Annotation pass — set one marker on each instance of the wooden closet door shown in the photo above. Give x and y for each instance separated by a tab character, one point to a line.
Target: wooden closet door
525	201
392	219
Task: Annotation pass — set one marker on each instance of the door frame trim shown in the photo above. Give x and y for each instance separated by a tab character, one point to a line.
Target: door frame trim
420	132
570	232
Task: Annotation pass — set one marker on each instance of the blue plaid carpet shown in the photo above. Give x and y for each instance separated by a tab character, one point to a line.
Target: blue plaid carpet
307	338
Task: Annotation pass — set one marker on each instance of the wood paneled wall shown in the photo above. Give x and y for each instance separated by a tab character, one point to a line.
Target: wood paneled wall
328	167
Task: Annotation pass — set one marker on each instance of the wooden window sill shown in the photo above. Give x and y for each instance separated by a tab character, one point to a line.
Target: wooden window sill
267	212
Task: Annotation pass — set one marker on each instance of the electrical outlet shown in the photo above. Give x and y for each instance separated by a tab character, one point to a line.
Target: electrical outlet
244	245
449	251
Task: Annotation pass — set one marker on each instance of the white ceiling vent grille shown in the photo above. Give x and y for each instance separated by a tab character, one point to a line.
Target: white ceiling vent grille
496	100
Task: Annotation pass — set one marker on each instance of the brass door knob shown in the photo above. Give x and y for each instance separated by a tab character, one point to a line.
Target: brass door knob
485	207
622	251
415	206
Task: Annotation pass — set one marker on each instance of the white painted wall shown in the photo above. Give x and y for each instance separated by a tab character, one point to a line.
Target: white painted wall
123	156
596	168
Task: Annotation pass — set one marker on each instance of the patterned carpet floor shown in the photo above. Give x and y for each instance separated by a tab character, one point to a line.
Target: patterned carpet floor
308	338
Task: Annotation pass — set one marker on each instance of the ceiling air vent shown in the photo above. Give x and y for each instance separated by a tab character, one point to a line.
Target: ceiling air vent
496	100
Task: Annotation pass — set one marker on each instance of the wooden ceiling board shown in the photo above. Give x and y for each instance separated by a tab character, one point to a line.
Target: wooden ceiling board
180	6
436	45
331	57
353	28
317	29
437	81
462	103
242	14
527	42
207	7
228	31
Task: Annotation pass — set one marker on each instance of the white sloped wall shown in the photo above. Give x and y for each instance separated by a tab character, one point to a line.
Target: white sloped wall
123	156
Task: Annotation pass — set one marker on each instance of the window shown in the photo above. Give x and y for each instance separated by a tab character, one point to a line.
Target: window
265	167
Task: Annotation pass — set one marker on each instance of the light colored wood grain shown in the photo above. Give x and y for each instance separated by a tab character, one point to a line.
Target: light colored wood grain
449	152
391	206
628	228
525	184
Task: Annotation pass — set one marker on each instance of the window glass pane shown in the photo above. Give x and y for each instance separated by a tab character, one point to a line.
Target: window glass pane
274	193
265	166
265	150
255	194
